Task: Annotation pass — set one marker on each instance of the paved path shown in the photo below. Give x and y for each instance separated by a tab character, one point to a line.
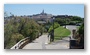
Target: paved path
39	43
42	42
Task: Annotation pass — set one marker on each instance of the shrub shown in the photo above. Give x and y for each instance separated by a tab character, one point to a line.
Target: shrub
56	25
19	28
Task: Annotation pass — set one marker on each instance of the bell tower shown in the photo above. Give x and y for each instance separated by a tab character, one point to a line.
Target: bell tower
42	12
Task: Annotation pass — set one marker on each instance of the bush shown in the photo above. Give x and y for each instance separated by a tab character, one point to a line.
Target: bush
81	29
56	25
18	28
80	36
17	37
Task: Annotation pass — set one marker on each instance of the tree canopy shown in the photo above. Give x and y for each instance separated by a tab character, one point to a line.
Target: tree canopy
18	28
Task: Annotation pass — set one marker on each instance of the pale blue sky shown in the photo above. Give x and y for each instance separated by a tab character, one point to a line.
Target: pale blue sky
55	9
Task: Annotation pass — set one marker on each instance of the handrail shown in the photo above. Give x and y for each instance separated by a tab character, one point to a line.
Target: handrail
20	43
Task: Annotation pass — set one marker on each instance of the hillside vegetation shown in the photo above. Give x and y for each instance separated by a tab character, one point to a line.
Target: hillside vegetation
18	28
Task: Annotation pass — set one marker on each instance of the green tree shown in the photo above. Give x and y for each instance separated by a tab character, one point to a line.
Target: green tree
18	28
56	25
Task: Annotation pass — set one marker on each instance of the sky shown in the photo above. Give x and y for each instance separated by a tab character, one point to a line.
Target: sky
55	9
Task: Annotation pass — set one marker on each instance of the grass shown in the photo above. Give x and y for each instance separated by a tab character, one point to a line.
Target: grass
78	27
60	33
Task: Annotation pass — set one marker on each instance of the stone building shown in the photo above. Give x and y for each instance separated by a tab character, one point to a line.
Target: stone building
42	17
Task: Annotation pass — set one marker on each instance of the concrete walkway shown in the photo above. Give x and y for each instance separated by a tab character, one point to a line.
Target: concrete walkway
42	43
39	43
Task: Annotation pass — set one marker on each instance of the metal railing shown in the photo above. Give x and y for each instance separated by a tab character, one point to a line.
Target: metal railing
21	43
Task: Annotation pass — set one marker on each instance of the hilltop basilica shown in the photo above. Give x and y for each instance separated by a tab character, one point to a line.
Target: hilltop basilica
42	17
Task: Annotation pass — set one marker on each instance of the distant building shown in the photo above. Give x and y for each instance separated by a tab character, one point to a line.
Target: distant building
42	17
